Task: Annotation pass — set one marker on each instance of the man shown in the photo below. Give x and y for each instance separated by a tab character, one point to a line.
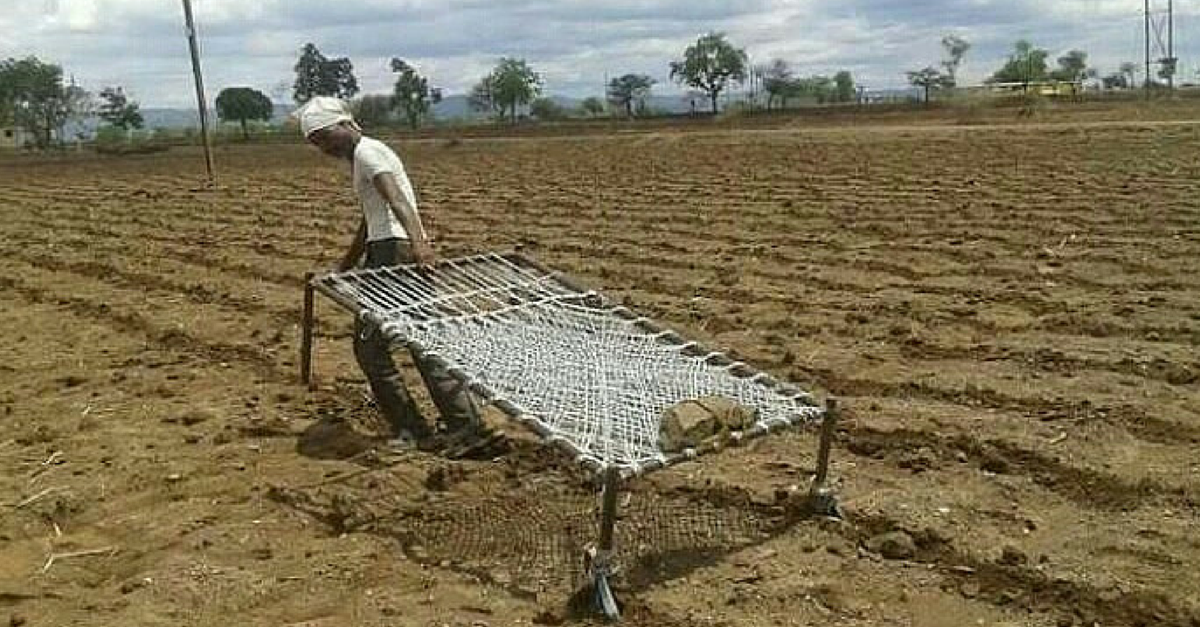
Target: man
390	233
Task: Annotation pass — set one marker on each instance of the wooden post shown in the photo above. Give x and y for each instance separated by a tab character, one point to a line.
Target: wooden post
828	427
821	499
200	98
606	602
306	339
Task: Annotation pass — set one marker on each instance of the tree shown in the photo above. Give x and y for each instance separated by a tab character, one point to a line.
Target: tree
592	106
118	110
411	95
956	48
819	88
843	90
482	97
317	75
545	109
626	90
513	84
928	79
242	104
32	95
1072	67
777	81
372	111
8	94
710	65
80	105
1025	65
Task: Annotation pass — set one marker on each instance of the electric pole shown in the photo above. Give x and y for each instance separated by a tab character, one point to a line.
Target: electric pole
1160	45
1147	15
1171	45
201	100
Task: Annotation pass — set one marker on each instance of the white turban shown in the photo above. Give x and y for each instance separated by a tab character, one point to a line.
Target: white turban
322	112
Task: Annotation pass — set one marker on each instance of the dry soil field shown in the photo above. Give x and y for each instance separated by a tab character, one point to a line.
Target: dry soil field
1011	316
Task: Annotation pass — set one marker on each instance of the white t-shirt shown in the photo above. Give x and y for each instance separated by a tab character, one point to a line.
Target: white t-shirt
372	158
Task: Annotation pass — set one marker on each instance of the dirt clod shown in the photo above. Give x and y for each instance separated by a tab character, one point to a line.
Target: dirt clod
894	545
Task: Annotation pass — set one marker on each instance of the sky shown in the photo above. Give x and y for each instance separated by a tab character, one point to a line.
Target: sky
573	44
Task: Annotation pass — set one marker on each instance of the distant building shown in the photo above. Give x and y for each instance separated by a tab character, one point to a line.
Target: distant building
1053	89
13	137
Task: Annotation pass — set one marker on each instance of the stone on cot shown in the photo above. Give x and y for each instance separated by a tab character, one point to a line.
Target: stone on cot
689	423
730	415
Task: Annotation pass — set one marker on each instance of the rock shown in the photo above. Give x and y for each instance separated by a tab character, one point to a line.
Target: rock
839	546
418	553
16	620
895	545
331	439
689	423
1012	556
685	425
730	416
197	416
995	465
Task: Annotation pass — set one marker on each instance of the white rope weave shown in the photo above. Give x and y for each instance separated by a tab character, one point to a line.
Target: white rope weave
584	371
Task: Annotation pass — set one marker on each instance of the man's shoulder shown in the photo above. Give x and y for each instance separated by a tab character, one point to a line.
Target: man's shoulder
373	151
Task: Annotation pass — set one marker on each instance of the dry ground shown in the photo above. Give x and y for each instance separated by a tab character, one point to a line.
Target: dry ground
1011	315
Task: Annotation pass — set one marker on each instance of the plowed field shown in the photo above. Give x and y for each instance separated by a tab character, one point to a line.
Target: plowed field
1009	314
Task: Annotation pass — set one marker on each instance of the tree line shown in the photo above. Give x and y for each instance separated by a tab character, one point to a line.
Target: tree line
1027	65
710	66
35	96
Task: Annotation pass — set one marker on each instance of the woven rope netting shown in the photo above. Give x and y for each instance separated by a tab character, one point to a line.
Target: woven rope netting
585	372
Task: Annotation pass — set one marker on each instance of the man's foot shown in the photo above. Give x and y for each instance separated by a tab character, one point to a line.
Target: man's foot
475	443
404	441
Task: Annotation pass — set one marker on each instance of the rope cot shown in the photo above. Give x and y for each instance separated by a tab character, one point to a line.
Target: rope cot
589	376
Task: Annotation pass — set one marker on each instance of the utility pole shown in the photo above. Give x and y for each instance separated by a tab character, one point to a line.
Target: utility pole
201	100
1147	15
1160	50
1171	45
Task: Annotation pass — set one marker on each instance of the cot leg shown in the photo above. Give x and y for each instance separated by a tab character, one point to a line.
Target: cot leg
821	499
306	338
601	562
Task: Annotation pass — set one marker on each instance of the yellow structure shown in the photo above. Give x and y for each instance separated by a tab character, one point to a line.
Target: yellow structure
1052	89
14	137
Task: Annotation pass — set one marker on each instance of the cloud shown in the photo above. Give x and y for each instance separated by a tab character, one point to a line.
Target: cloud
573	43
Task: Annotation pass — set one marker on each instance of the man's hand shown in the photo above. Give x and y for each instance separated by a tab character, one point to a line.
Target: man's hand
357	246
422	252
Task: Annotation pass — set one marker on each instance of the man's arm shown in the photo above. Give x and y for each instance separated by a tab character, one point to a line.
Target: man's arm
357	245
422	251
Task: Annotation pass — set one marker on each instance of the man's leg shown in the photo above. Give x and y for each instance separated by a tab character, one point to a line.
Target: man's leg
459	412
373	352
451	396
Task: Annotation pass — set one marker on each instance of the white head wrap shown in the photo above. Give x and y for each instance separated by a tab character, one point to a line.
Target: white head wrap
322	112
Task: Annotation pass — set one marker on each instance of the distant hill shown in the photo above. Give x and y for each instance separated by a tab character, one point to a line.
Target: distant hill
184	118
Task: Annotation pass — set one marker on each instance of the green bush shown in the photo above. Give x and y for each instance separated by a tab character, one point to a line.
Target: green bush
111	140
